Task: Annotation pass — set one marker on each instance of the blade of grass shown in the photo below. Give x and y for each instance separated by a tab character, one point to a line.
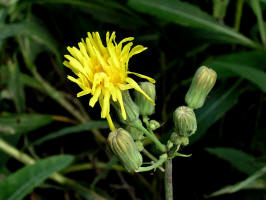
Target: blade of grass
186	14
255	5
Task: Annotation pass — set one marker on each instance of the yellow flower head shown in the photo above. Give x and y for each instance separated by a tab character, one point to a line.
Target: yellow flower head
102	71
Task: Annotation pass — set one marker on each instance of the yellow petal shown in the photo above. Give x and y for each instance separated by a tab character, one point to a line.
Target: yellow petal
137	49
85	92
75	80
119	47
136	87
95	97
120	100
142	76
110	122
98	77
74	63
75	53
106	104
125	86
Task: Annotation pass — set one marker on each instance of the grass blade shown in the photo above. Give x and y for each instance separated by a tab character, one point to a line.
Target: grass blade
19	184
187	15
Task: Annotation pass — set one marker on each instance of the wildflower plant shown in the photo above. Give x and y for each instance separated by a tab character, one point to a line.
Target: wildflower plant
103	72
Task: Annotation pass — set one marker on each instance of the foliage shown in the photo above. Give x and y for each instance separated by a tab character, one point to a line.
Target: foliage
41	119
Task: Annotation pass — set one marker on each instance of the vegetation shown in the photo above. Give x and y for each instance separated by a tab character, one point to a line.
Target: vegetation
53	145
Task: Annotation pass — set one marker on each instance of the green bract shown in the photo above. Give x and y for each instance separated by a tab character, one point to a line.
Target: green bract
132	110
134	132
202	83
123	146
185	121
145	106
179	140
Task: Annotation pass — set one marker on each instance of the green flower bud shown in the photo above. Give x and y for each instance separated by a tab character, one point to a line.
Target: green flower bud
185	121
202	83
154	125
132	110
179	140
145	106
135	132
139	145
123	146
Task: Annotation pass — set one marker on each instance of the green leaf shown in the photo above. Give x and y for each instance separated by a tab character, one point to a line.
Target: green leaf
219	102
219	8
240	160
186	14
246	65
106	11
13	125
251	182
255	5
32	29
19	184
16	87
22	123
88	126
31	82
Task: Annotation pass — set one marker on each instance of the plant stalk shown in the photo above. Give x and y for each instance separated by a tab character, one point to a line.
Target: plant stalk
155	165
152	157
168	180
150	135
238	15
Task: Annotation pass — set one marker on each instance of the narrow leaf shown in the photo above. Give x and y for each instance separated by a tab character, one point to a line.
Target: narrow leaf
248	183
242	64
22	123
32	29
255	5
242	161
19	184
16	87
88	126
186	14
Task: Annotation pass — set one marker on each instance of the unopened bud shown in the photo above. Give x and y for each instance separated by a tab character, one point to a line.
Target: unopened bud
154	125
139	145
185	121
145	106
179	140
123	146
202	83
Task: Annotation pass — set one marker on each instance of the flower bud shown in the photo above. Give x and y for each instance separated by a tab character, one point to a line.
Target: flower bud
145	106
135	132
179	140
139	145
202	83
154	125
132	110
185	121
123	146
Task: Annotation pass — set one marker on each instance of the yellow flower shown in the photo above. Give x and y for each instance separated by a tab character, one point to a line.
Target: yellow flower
102	71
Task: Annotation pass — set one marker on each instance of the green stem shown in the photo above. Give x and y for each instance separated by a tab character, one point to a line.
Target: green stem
238	15
162	159
57	96
88	166
168	180
26	159
157	142
152	157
